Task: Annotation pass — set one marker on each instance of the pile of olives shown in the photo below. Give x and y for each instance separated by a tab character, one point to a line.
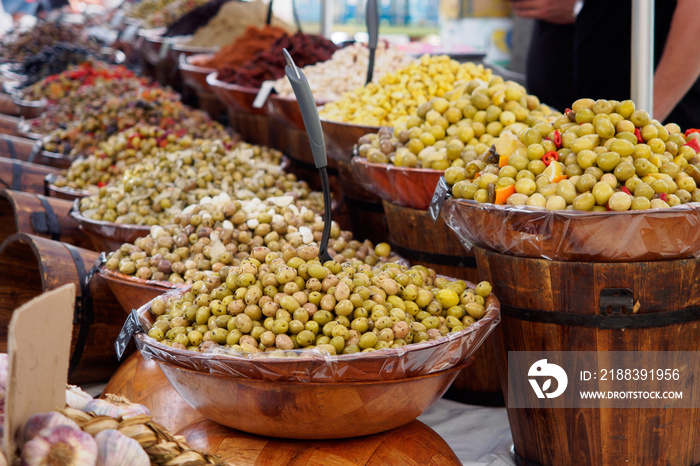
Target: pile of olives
601	155
221	232
128	148
154	192
452	130
274	302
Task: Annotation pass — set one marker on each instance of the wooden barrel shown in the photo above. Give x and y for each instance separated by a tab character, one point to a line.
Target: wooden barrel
8	123
39	215
414	444
210	103
141	381
556	306
252	128
30	265
413	235
7	106
24	176
30	150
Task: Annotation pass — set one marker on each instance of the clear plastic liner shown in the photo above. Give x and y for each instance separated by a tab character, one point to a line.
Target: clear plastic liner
317	366
570	235
408	187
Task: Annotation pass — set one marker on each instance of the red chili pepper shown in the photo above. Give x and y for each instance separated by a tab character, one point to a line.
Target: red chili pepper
557	138
694	143
607	206
101	184
625	190
688	132
549	157
638	133
663	197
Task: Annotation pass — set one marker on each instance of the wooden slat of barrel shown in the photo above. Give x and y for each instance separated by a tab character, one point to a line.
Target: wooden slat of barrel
7	106
16	209
30	265
364	208
26	150
596	436
27	177
252	128
8	124
412	444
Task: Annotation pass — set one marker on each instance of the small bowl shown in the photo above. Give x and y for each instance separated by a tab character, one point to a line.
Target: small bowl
342	137
309	410
237	98
30	108
569	235
193	74
408	187
107	236
133	292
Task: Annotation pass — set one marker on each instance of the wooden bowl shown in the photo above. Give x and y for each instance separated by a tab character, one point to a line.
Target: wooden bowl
407	187
388	364
412	444
287	109
633	236
107	236
133	292
151	41
342	137
193	74
30	108
309	410
63	193
236	98
8	107
179	48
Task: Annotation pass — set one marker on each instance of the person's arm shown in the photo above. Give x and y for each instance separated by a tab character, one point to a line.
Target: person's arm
552	11
679	66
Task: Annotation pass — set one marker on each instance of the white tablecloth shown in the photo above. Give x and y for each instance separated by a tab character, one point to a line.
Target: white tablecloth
480	436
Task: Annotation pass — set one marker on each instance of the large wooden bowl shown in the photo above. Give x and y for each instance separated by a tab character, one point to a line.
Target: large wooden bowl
107	236
133	292
633	236
342	137
193	74
393	363
414	444
407	187
236	98
309	410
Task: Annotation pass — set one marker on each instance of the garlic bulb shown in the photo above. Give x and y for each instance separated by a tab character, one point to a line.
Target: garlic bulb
60	445
38	422
76	398
115	406
116	449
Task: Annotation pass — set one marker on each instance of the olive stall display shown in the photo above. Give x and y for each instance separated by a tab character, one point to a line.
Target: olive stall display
286	300
454	129
154	192
601	155
130	147
98	120
220	232
67	83
346	70
398	95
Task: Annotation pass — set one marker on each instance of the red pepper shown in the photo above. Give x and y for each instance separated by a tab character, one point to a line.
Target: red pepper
557	138
663	197
549	157
688	132
694	143
101	184
638	133
625	190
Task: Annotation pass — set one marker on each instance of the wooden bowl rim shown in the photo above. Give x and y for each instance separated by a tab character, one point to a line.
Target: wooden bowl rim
389	167
341	124
185	63
23	128
180	45
94	224
119	277
213	80
77	193
288	99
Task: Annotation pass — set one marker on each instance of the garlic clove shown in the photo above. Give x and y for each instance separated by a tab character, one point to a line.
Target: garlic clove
116	449
115	406
38	422
60	445
141	433
76	398
100	423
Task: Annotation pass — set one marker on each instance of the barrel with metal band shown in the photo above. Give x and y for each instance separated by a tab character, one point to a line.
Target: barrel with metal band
30	265
39	215
597	306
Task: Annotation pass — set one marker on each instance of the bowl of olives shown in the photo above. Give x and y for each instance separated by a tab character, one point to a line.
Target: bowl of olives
604	182
286	318
107	236
342	137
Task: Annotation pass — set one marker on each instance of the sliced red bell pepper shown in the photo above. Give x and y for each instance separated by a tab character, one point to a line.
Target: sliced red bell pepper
638	133
556	138
549	157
